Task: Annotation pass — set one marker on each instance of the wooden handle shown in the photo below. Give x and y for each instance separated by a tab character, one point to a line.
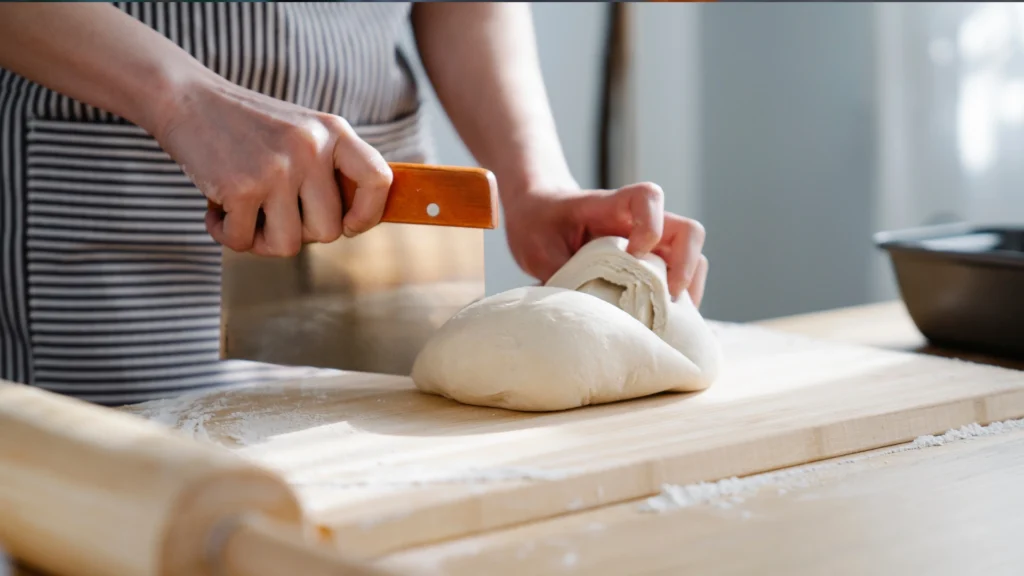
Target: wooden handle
464	197
88	490
434	195
260	547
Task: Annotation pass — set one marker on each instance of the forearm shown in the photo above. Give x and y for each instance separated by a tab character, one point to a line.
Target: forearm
97	54
482	60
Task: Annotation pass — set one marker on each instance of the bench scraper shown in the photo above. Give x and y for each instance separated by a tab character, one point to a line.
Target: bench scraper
369	303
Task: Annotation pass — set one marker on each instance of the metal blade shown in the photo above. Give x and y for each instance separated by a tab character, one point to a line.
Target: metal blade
365	304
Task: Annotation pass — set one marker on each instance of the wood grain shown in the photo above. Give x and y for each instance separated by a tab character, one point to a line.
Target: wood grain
383	467
465	197
943	511
262	548
87	491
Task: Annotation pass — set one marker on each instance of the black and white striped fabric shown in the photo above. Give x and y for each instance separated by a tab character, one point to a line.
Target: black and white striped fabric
109	284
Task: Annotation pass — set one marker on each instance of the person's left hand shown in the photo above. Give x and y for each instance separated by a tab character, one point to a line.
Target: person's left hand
545	228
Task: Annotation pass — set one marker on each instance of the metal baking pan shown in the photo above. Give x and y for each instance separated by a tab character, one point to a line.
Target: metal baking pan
962	284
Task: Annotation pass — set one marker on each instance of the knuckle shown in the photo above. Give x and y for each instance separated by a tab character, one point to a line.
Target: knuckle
379	176
245	191
307	142
337	125
692	230
254	185
650	190
697	231
230	189
276	168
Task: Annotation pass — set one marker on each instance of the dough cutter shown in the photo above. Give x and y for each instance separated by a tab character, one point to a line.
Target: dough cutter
369	303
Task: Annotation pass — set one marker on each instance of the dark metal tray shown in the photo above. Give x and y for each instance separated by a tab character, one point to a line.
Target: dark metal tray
963	285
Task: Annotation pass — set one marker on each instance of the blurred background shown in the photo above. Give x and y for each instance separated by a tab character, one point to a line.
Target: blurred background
792	131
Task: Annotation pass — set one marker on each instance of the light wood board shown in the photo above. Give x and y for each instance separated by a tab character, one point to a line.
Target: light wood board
384	467
951	510
883	325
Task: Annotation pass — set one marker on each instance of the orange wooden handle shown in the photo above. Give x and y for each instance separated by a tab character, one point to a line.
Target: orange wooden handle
463	197
435	195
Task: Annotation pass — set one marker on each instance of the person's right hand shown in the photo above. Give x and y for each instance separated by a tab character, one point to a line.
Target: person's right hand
246	151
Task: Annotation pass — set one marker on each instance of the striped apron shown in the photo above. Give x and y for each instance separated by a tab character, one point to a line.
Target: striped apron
109	283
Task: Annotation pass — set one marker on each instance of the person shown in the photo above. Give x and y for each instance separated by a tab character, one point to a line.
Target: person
112	115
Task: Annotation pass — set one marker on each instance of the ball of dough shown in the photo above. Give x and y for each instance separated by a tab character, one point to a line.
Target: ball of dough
546	348
602	329
603	268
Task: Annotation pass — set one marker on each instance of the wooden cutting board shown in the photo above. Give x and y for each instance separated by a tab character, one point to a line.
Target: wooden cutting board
950	510
383	467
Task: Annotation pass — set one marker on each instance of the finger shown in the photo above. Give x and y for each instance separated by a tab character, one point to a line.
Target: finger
321	208
363	164
646	205
634	212
700	278
680	248
234	226
281	234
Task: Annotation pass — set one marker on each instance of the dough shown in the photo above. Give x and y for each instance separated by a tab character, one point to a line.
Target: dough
604	269
602	329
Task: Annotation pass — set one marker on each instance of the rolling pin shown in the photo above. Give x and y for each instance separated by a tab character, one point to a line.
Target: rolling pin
435	195
89	491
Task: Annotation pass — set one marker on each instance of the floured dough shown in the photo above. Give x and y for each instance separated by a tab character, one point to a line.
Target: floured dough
604	269
602	329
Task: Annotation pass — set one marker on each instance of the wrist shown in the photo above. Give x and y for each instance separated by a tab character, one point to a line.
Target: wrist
160	92
528	179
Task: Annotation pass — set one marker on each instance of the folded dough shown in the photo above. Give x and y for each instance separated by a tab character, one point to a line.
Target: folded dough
602	329
604	269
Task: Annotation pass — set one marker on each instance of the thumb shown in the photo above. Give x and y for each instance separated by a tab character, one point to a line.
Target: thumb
364	165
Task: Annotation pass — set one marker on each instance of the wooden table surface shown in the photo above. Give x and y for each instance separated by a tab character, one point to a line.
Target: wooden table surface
884	325
947	509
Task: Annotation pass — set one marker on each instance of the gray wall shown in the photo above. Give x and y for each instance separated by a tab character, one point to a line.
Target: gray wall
787	140
793	131
758	120
570	40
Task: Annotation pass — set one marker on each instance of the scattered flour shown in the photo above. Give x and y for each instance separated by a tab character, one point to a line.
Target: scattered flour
731	491
185	413
250	428
570	559
190	414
